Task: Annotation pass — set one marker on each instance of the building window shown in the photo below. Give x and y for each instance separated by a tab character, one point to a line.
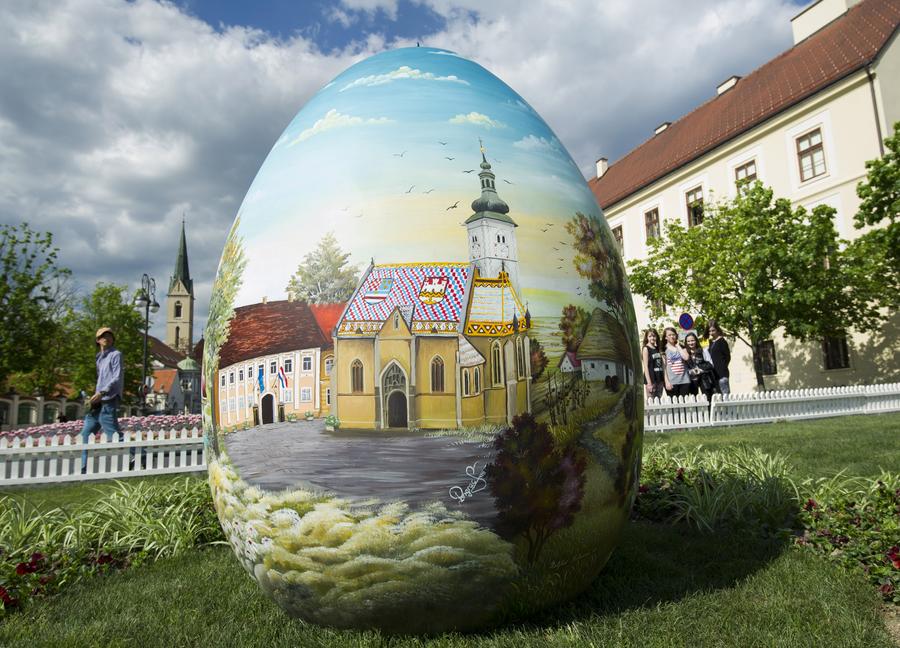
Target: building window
811	155
466	388
288	365
620	239
305	394
477	380
177	336
259	372
745	174
356	377
496	364
230	377
520	358
651	224
231	405
437	375
396	321
223	380
178	309
306	363
273	367
328	396
240	402
240	375
837	356
329	365
249	372
694	202
765	356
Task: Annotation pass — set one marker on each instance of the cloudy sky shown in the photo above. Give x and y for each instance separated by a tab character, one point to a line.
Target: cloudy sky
118	117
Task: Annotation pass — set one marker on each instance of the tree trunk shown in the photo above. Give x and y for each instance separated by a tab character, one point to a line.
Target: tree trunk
757	367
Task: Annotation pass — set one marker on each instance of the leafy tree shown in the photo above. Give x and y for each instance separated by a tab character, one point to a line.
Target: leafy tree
537	486
755	264
538	359
29	279
324	277
597	261
108	305
573	325
877	252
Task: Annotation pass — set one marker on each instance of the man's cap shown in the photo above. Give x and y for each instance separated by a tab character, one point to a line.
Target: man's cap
102	330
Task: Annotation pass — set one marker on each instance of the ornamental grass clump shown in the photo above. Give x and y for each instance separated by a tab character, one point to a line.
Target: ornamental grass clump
738	487
41	551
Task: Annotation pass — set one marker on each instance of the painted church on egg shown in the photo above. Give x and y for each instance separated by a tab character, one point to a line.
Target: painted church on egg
438	344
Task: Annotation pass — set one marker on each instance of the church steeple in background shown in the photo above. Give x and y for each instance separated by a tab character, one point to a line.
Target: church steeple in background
180	302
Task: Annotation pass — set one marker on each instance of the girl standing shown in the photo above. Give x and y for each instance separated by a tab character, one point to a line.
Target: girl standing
700	367
654	364
678	382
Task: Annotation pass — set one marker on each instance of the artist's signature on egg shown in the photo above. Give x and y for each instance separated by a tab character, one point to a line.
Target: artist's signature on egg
477	483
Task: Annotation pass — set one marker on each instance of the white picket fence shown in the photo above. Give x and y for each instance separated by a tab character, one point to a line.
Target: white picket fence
683	412
38	459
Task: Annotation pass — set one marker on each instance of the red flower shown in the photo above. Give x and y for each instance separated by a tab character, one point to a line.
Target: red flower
5	596
893	552
23	568
643	488
887	589
104	559
36	557
810	505
679	474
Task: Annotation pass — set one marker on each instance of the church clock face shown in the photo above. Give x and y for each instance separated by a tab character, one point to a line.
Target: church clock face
476	250
503	251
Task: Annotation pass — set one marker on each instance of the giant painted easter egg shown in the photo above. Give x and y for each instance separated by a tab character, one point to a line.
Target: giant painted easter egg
423	409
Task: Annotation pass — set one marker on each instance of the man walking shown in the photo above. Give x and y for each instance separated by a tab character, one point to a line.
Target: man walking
105	401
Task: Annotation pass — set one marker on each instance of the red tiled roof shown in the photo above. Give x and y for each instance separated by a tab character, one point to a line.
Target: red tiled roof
840	48
327	316
163	379
158	349
273	327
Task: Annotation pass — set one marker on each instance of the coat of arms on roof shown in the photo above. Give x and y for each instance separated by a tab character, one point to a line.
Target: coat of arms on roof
433	289
379	292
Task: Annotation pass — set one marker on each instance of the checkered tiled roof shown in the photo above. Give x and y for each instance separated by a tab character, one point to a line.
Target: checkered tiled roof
406	284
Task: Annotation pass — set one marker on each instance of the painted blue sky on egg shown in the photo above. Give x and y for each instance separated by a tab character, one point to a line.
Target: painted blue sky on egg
380	155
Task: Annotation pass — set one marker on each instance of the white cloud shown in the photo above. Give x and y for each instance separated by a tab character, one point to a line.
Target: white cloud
477	119
403	72
117	116
333	119
535	143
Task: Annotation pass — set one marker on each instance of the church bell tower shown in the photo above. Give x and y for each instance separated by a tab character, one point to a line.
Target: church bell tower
180	303
491	232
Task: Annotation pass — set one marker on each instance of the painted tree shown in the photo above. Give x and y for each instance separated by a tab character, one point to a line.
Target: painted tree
108	305
876	253
29	290
538	358
757	264
573	324
324	277
537	486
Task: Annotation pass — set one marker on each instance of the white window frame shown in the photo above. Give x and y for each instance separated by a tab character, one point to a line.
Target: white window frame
303	362
832	162
288	365
305	394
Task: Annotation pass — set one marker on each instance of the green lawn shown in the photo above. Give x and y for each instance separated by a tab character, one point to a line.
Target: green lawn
859	445
664	586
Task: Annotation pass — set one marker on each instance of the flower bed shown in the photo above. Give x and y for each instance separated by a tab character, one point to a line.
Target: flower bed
126	424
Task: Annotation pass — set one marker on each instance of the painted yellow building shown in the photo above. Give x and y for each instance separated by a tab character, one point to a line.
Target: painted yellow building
438	345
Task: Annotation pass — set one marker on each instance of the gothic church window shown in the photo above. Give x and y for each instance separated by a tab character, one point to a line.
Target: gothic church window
356	377
520	358
496	364
178	309
437	375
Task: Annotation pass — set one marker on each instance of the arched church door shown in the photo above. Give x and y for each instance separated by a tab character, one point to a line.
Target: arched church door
268	409
397	410
393	385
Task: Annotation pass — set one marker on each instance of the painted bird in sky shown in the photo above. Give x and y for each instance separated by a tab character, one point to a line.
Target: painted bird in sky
453	206
448	158
410	189
469	171
400	154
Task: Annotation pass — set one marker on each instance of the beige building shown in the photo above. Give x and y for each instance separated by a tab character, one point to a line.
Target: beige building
276	363
805	123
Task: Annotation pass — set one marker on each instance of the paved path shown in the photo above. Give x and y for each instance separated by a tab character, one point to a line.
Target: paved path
361	465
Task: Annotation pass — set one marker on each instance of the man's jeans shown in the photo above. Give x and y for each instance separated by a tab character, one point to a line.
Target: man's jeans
104	418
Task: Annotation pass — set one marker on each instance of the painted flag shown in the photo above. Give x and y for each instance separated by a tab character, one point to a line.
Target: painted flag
378	290
282	377
262	384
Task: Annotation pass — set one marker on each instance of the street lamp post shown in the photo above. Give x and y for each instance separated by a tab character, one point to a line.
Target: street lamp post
146	299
